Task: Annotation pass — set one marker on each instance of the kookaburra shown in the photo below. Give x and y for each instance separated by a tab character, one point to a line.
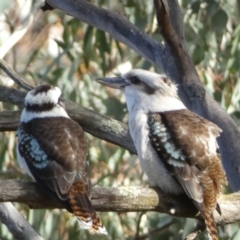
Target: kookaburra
176	148
52	149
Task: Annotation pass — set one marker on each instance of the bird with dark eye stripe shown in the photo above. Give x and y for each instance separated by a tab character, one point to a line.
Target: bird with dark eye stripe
52	149
177	148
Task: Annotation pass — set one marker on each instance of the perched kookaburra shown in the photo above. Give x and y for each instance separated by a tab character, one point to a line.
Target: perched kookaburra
176	148
52	149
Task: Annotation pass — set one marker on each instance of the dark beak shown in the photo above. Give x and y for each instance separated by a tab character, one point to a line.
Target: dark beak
114	82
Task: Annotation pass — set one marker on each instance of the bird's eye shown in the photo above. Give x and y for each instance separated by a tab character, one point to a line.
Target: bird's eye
134	80
167	81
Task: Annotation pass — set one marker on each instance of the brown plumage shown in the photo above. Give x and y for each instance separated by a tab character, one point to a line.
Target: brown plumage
82	207
190	155
182	143
64	174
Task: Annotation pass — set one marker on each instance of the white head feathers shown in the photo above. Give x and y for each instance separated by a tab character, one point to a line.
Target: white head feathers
43	101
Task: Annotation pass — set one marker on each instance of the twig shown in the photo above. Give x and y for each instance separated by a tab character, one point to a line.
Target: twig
199	229
138	224
96	124
14	76
154	231
166	20
25	19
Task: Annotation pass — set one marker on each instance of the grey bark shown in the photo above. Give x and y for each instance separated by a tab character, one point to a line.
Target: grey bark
123	199
96	124
175	62
16	223
168	59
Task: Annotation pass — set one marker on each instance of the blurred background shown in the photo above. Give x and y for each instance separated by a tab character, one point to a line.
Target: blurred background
52	47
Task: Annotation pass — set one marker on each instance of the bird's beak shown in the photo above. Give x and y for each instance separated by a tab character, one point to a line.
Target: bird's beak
114	82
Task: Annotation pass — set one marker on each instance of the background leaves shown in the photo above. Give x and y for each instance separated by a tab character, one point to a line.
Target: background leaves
62	51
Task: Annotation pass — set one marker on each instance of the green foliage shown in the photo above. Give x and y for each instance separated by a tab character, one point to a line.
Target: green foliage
65	52
212	34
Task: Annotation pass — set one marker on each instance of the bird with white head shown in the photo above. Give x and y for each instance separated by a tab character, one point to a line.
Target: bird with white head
177	149
52	149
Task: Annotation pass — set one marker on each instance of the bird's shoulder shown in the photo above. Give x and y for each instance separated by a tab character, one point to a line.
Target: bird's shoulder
191	134
60	140
187	144
55	151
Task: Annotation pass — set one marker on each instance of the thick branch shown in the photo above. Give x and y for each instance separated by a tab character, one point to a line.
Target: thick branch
167	18
122	199
16	223
98	125
115	24
194	95
191	91
175	62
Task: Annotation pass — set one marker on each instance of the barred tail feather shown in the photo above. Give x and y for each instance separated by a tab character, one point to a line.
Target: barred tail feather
97	226
211	184
94	226
88	218
211	226
83	210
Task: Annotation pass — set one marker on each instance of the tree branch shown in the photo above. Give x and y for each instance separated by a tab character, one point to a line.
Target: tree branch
168	16
115	24
191	91
9	215
16	223
96	124
13	75
198	229
180	70
194	95
122	199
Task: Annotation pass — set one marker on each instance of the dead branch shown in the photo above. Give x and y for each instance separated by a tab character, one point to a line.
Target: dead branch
122	199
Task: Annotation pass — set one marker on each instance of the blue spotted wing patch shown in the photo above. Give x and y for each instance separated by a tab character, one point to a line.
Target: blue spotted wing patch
163	144
171	137
55	151
186	143
30	149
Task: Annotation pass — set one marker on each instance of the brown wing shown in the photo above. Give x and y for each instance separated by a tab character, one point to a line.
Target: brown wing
56	154
55	151
188	146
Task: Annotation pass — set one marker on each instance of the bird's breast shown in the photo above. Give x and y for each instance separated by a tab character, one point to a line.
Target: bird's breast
151	164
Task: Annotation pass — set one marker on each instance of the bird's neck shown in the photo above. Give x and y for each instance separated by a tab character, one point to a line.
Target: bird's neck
57	111
153	103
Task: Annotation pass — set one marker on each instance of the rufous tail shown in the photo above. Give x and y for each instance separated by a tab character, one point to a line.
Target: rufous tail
83	210
212	182
211	226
